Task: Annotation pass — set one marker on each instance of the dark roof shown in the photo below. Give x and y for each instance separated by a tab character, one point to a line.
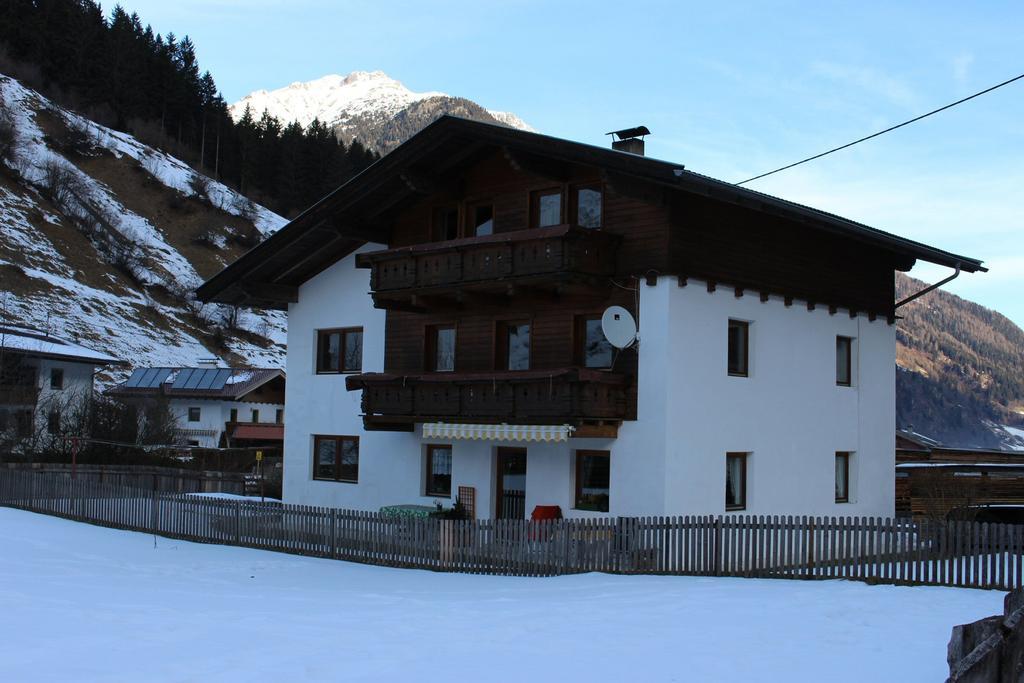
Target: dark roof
346	218
239	382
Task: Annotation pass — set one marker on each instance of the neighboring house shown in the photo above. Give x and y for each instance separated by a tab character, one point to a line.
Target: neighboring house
444	336
939	481
215	407
45	382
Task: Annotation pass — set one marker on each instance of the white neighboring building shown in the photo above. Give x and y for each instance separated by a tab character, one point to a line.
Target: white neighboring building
443	339
44	380
215	407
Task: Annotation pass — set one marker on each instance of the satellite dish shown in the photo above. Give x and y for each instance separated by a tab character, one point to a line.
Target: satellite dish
618	326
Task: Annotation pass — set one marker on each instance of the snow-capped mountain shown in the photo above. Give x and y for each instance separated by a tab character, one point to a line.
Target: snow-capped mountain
359	105
103	240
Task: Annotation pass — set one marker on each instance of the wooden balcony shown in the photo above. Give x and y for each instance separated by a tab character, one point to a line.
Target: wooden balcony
544	259
562	396
19	394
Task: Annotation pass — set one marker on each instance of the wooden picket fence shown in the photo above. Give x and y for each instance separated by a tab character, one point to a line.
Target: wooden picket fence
873	549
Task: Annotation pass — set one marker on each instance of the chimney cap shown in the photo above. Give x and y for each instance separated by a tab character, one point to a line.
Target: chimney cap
638	131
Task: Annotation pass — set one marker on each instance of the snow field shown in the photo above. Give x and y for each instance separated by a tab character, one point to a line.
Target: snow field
94	604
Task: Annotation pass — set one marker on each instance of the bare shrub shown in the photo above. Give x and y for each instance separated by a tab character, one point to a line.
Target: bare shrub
8	134
245	207
200	186
206	237
230	316
77	138
60	182
248	239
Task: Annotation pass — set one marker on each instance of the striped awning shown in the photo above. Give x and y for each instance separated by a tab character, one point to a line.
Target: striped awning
502	432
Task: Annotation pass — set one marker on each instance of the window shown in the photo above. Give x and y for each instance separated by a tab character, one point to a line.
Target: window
53	422
56	378
439	471
193	442
255	416
440	351
481	219
234	415
739	337
842	477
735	481
339	350
194	414
279	416
546	208
844	365
588	207
513	345
336	458
593	474
592	349
446	223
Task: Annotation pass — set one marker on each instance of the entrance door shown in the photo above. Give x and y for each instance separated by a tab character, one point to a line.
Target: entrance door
511	488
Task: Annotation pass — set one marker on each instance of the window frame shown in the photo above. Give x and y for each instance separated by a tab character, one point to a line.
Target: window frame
845	456
574	193
742	457
469	225
53	422
435	222
745	326
255	415
233	415
198	412
535	197
58	375
339	439
501	347
428	473
343	332
430	345
279	416
580	341
848	360
578	483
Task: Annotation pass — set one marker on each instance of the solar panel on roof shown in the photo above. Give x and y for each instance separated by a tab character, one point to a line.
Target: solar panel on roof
133	381
160	376
206	380
223	374
184	375
193	381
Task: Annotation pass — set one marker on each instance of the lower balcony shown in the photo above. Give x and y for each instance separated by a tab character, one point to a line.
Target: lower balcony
579	397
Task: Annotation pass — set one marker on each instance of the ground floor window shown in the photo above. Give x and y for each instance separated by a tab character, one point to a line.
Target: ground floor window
842	477
336	458
735	481
593	476
439	471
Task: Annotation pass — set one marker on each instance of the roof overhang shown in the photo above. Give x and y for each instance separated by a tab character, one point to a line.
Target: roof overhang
358	212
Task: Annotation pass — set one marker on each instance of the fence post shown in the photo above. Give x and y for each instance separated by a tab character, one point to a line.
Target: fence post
334	532
810	547
718	547
238	522
153	515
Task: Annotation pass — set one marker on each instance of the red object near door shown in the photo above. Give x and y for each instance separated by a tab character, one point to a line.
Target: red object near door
546	512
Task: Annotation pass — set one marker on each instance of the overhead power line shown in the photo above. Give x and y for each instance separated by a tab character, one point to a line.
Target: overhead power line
882	132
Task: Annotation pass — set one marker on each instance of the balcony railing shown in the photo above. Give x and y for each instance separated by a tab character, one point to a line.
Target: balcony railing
563	250
535	396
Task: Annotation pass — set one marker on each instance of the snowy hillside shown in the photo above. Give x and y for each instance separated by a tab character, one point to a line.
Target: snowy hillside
354	104
103	239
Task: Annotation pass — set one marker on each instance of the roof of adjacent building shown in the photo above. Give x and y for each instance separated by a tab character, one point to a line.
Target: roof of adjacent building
36	343
333	227
208	382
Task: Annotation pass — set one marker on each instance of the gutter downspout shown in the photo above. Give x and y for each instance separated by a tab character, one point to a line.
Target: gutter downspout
930	288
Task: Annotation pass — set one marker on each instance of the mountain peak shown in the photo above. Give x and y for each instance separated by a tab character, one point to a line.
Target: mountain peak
348	103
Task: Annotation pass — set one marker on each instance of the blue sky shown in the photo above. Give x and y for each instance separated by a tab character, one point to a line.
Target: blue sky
728	89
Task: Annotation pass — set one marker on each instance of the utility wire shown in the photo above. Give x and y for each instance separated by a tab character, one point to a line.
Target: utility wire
882	132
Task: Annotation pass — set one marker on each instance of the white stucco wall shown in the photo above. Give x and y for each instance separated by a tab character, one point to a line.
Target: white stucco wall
789	413
214	413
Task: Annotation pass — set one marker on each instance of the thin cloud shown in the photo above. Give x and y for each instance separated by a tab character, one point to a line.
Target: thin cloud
962	66
870	80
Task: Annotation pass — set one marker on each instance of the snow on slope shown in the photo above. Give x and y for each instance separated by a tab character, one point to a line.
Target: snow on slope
83	299
336	100
141	608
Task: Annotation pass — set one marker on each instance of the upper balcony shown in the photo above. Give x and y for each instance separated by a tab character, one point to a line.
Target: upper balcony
543	259
559	396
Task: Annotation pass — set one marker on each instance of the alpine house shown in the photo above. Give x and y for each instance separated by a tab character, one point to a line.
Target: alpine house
445	336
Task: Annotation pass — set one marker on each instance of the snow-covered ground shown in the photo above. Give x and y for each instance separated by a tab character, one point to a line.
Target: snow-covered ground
86	603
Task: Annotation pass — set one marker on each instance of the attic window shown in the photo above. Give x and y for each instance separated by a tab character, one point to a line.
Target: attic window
547	208
588	206
446	223
481	219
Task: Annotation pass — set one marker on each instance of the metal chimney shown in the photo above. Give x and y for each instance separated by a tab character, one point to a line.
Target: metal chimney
630	139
